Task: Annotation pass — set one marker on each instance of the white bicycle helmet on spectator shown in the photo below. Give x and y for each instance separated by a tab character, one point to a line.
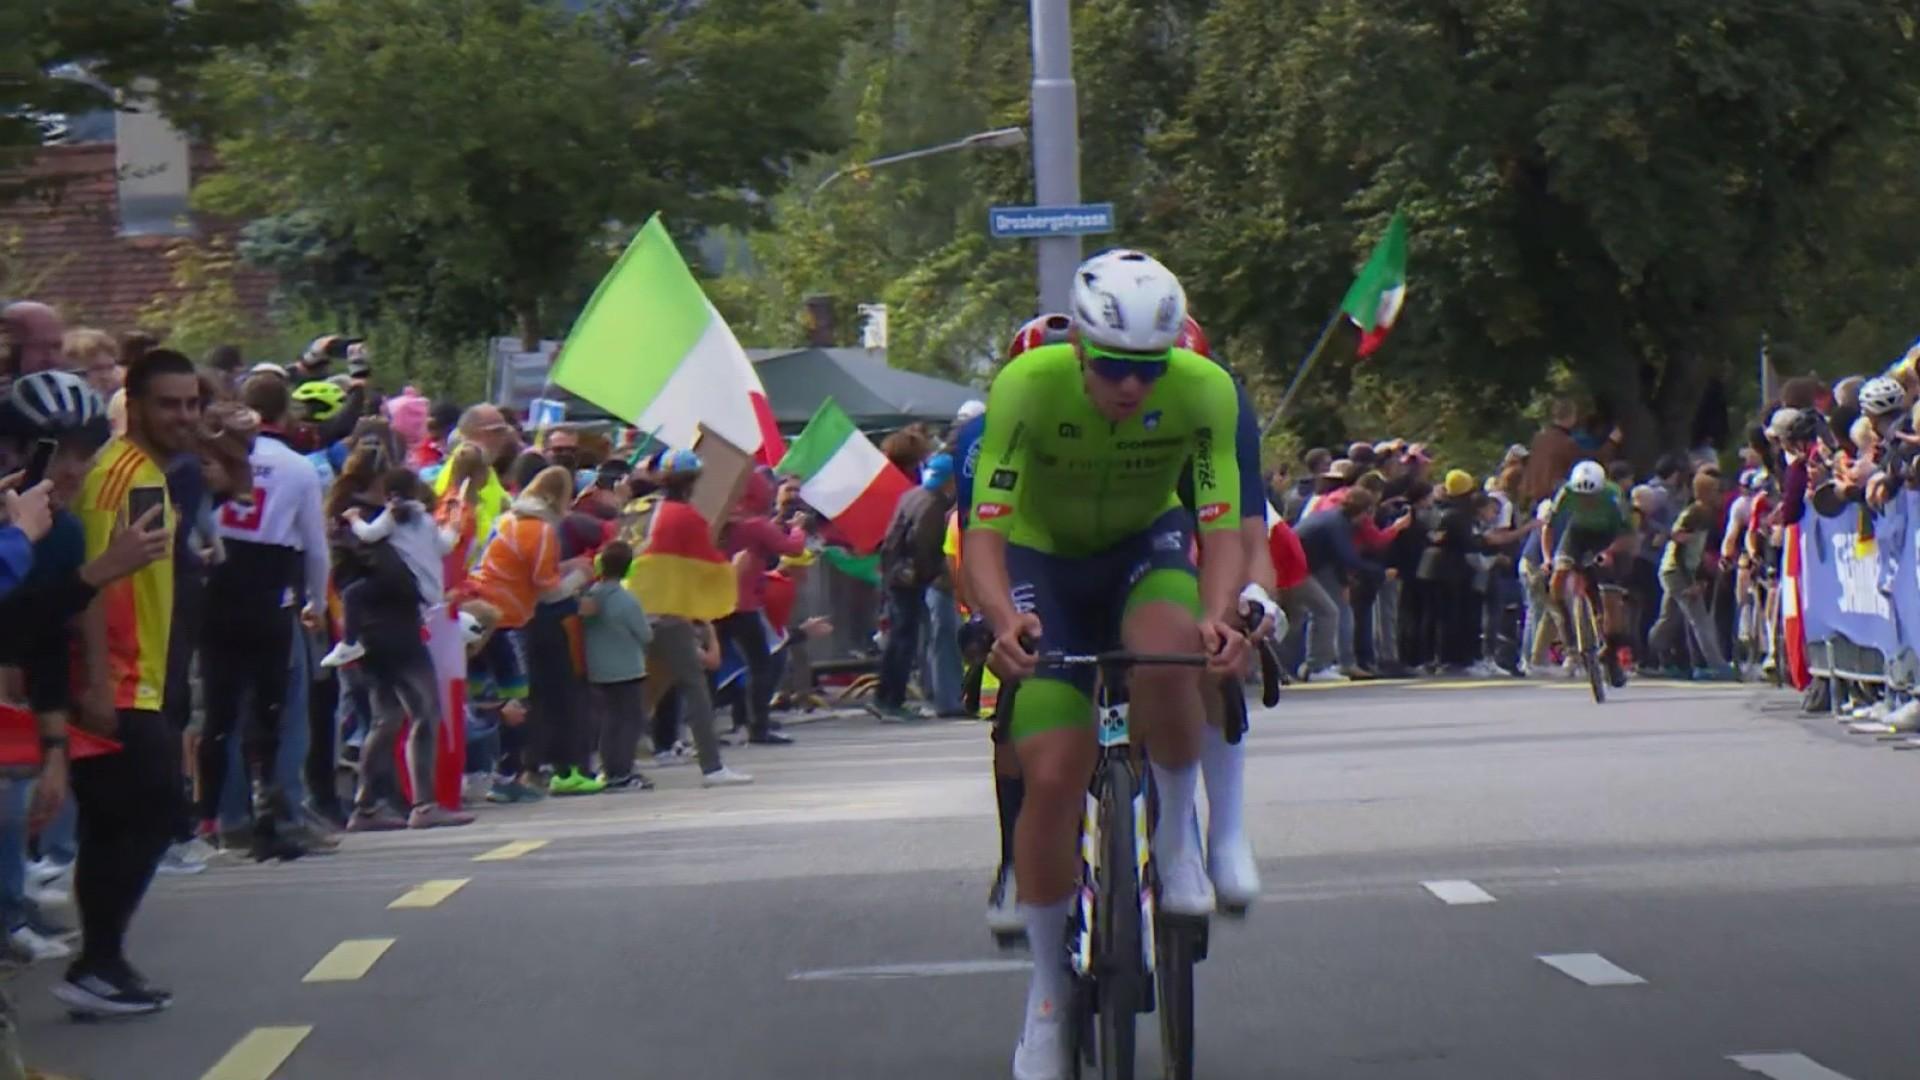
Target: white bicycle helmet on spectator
54	405
1881	396
1587	479
1127	302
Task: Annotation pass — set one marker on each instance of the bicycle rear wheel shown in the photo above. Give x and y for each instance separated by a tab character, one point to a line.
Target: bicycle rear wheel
1120	964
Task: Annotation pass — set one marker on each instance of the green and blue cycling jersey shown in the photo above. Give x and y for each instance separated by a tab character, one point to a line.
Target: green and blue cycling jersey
1091	509
1246	452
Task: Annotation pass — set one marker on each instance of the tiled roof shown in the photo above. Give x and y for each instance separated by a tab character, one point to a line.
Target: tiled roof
68	244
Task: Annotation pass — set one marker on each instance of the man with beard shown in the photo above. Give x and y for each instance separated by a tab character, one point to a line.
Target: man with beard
129	801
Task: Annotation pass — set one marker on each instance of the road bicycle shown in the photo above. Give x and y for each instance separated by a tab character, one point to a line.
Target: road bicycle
1582	602
1119	942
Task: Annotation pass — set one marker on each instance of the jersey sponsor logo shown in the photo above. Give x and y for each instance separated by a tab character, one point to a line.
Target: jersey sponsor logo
1175	540
1003	479
1025	595
972	462
1069	431
1212	512
1149	444
989	511
1203	475
1151	421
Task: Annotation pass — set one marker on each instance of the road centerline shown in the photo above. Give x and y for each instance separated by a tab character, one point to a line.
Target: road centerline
349	960
1591	969
428	893
1457	892
258	1053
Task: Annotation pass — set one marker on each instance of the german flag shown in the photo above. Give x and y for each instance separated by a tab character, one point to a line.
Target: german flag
678	570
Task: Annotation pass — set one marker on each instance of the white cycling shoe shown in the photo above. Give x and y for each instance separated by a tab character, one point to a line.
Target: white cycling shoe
1236	878
1003	914
1184	887
1042	1053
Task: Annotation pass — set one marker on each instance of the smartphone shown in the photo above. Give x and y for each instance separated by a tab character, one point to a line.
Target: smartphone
39	462
142	499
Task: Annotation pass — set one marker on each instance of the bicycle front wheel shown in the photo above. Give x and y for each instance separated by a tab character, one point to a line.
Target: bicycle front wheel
1589	632
1123	977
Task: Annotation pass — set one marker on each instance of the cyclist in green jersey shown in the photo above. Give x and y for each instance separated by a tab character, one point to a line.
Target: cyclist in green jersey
1077	542
1589	517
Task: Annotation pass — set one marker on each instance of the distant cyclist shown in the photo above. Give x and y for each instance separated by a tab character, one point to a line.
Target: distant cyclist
1077	542
1589	518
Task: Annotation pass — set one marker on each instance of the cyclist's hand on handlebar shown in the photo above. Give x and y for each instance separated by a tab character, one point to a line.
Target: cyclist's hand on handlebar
1225	645
1013	656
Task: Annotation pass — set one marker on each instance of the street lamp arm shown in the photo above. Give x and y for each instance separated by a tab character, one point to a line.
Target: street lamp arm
996	139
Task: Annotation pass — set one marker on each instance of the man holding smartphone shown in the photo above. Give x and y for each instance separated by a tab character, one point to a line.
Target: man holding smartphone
129	801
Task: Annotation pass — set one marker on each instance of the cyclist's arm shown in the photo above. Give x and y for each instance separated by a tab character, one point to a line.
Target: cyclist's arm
1253	496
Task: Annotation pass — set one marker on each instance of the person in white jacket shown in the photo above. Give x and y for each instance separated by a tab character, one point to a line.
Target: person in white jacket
422	545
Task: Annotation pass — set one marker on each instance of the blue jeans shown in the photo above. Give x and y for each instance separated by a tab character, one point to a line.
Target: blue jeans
945	672
13	851
905	610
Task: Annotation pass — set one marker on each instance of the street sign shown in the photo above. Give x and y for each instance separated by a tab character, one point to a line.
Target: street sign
1022	222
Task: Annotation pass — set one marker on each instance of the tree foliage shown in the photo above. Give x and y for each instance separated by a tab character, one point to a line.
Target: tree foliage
478	159
62	57
1625	186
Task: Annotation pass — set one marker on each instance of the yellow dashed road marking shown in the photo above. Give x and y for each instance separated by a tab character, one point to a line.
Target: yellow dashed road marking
429	893
349	960
256	1056
510	851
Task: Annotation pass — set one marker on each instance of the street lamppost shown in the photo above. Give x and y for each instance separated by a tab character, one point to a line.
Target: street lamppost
1056	145
997	139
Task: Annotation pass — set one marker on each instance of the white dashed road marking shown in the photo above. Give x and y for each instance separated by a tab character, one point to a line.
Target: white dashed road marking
931	970
1457	892
1591	968
1785	1066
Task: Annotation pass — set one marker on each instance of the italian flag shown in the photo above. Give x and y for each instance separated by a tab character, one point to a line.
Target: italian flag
844	476
650	349
1376	297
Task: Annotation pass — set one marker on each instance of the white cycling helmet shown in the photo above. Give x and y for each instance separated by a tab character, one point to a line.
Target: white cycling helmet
1128	302
1881	396
1588	478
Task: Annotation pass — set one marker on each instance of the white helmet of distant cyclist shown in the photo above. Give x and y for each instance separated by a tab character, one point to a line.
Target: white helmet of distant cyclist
1881	396
1588	478
1128	302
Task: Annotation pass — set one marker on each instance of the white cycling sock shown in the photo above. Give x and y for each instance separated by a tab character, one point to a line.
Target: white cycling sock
1174	835
1225	767
1046	936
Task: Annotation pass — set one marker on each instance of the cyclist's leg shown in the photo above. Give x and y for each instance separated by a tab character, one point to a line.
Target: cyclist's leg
1162	616
1052	733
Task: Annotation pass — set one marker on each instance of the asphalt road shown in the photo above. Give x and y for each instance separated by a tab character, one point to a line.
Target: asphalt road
1688	883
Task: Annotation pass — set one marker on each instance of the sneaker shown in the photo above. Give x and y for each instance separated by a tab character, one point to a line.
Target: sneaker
435	816
1003	915
1906	717
55	895
1480	669
724	777
381	820
32	947
629	782
501	792
343	654
1185	888
48	871
667	759
1042	1053
1327	675
771	738
315	835
575	782
102	994
189	857
1235	876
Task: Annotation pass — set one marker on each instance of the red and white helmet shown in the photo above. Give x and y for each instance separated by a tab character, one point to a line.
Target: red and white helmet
1193	339
1127	302
1043	330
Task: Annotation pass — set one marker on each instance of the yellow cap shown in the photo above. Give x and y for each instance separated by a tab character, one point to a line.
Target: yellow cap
1459	482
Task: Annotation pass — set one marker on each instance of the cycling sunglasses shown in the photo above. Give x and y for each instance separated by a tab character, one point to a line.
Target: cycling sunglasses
1120	366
